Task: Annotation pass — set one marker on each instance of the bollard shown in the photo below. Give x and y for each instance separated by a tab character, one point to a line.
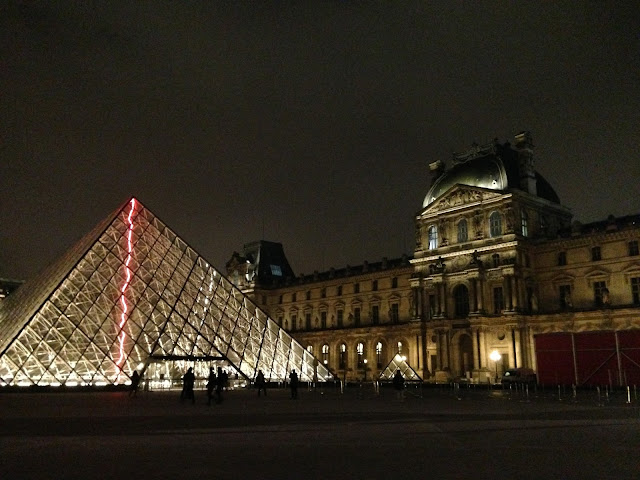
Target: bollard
599	400
575	394
628	395
526	393
341	386
559	397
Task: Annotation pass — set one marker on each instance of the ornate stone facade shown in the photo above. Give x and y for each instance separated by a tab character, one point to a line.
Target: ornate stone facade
496	263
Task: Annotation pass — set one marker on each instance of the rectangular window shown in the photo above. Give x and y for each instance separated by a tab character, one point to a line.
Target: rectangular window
339	290
356	288
356	316
307	321
280	299
294	323
308	295
394	282
599	289
375	314
633	248
280	321
340	318
596	254
323	319
635	290
293	297
565	296
395	315
562	259
374	285
323	293
498	300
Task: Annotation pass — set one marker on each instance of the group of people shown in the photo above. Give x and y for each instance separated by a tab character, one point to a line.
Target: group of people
216	383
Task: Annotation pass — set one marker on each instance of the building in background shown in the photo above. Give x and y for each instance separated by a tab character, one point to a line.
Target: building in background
499	278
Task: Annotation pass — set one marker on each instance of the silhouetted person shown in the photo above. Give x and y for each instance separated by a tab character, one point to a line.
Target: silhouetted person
293	383
261	383
398	384
135	382
221	381
188	381
212	382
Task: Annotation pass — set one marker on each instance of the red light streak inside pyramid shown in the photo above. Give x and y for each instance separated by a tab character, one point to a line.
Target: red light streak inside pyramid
125	285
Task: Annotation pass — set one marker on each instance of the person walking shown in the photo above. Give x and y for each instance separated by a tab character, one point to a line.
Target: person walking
293	383
261	383
398	384
211	385
221	381
135	382
188	382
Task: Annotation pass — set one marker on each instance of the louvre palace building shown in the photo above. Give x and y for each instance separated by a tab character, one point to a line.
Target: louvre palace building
500	277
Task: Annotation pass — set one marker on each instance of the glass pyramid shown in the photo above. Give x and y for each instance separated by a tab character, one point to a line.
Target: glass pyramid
399	363
133	295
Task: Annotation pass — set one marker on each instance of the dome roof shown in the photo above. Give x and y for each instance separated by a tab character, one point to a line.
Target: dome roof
494	171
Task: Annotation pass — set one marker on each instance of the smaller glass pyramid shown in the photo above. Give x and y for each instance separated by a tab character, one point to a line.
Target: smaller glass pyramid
133	295
399	362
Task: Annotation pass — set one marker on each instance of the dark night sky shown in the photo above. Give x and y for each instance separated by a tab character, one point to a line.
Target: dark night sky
311	123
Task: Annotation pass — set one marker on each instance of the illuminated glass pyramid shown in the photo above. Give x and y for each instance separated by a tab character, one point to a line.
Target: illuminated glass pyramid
399	362
132	295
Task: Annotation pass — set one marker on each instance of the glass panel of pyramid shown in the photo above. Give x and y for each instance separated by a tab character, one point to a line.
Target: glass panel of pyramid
131	294
399	363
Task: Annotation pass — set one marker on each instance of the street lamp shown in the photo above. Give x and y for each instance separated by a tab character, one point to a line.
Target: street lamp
365	369
495	356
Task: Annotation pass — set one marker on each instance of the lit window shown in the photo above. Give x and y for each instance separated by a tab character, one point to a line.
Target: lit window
310	349
343	356
379	354
276	270
325	354
600	293
524	222
463	234
400	347
433	237
565	296
360	351
495	225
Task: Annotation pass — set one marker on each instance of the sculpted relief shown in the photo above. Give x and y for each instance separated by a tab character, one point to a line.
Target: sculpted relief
460	197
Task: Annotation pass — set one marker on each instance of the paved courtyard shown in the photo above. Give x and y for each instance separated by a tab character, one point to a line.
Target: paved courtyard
436	433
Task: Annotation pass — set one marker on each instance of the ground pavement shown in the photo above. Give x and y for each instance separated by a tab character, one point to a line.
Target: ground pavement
432	433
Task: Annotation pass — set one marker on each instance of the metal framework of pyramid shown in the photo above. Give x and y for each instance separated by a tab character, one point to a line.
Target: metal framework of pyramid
131	294
399	363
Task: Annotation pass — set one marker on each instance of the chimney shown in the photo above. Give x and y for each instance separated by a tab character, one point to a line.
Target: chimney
527	173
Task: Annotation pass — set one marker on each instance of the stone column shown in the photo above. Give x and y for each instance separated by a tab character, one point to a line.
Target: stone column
476	348
443	299
517	347
480	293
514	292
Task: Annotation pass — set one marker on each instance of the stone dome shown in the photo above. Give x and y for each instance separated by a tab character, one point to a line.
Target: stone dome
494	167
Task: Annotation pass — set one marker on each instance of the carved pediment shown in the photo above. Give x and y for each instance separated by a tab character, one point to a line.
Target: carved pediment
460	195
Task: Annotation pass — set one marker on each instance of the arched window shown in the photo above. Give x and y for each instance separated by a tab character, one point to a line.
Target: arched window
463	234
360	352
379	354
461	297
325	354
343	356
310	349
495	224
524	222
433	237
